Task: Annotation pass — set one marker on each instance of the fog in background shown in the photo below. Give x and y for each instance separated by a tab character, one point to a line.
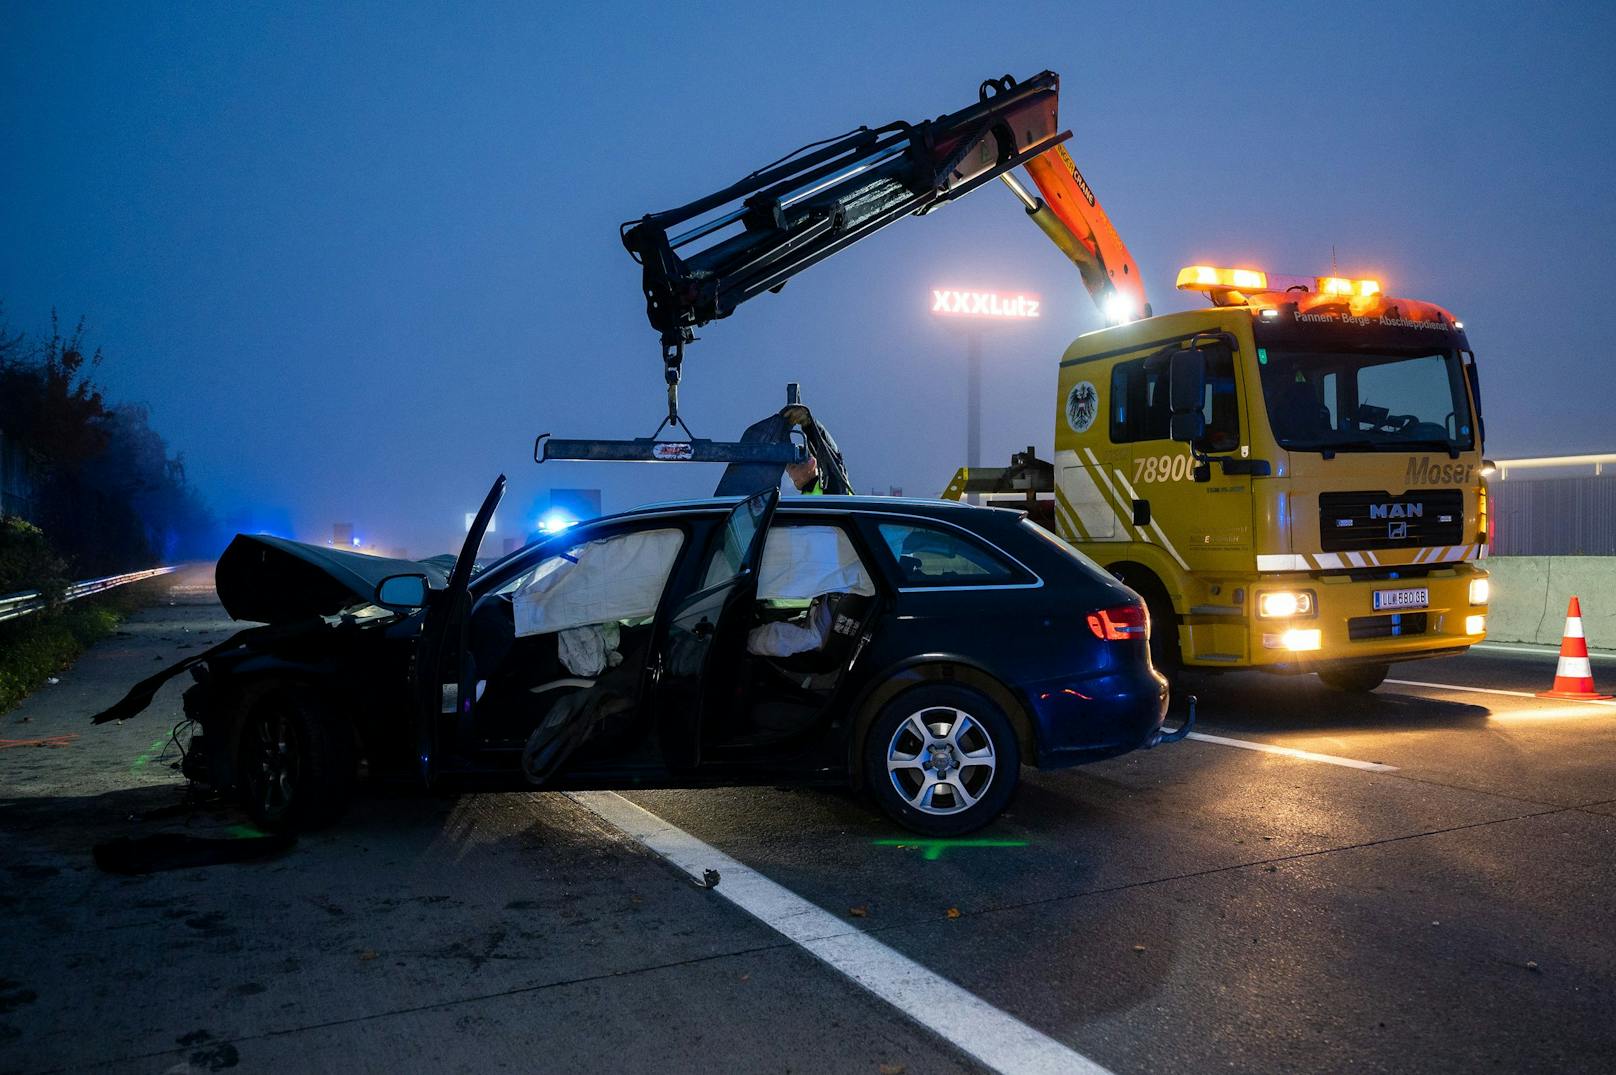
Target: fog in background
354	258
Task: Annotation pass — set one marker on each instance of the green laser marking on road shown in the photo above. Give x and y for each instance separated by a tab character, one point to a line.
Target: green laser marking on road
934	848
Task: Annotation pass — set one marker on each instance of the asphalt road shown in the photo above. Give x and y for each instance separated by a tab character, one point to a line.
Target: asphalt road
1203	906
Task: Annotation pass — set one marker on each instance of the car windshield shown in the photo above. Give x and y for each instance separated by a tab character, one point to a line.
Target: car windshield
1355	401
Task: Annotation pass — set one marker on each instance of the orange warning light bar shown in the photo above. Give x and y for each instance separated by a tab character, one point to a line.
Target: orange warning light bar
1207	278
1337	285
1219	283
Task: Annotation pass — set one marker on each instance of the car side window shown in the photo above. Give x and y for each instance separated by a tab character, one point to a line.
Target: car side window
931	556
1139	404
731	544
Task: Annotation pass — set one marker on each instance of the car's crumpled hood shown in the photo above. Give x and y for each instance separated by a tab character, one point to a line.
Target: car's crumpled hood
272	580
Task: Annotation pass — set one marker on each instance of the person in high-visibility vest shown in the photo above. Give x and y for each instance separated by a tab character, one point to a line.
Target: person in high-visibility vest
805	476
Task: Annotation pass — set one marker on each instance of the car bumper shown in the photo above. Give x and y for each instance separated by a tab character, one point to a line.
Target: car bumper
1349	630
1078	720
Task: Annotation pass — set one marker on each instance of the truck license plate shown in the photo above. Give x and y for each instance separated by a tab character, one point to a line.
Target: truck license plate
1418	597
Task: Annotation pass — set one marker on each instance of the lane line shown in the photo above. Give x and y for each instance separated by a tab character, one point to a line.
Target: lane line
1537	651
961	1018
1292	752
1494	690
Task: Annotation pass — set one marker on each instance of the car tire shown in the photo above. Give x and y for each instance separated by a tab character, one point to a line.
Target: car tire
295	762
1355	679
911	794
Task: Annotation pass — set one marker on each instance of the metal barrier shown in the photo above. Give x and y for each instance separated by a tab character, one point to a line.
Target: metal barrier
16	605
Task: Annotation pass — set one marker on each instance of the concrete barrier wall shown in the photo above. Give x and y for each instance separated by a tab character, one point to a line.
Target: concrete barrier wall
1530	594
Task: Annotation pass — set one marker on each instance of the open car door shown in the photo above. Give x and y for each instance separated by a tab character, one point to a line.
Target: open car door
442	671
694	674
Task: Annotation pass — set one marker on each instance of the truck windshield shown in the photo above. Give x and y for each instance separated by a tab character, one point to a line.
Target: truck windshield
1353	401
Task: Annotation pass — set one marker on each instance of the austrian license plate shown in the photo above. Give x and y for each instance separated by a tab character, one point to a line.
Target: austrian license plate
1415	597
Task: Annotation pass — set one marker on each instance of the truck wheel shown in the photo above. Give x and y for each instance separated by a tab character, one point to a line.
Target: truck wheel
1356	679
295	763
942	760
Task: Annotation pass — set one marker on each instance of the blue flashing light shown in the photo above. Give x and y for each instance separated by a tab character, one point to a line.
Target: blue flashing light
555	521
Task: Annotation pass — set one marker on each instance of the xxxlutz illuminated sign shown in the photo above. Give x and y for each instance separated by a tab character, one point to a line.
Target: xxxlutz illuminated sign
983	304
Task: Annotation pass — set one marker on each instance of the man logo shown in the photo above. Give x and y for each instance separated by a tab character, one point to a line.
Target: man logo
1082	404
1396	511
1397	531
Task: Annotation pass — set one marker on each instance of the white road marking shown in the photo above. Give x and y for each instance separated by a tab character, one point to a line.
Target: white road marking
1536	651
1495	690
997	1039
1292	752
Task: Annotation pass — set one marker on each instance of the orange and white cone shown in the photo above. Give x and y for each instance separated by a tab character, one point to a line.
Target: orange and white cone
1574	676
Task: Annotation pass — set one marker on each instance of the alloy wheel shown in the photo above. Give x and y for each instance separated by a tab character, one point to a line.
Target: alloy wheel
275	763
941	760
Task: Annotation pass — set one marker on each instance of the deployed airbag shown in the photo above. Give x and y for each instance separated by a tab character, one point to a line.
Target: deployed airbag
616	578
802	562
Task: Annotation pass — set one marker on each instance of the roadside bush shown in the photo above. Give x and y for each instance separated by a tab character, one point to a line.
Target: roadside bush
27	561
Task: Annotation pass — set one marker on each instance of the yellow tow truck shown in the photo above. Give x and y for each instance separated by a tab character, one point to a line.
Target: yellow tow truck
1292	478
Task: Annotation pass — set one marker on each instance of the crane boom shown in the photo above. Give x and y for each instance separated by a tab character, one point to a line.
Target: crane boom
702	260
791	214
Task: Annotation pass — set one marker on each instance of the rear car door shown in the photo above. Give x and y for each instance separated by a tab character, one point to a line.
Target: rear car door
696	670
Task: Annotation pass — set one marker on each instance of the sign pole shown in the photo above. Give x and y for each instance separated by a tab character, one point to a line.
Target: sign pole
973	398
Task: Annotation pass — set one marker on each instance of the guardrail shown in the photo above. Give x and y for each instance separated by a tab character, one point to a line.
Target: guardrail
1598	461
16	605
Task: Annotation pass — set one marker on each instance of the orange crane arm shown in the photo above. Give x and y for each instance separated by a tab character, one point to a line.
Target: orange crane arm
1073	219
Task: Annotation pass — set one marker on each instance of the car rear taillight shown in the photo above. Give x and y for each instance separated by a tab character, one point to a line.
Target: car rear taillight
1120	623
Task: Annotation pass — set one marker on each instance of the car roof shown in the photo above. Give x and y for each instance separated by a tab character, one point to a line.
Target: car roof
951	510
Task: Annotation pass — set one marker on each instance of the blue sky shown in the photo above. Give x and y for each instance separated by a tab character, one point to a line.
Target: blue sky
356	256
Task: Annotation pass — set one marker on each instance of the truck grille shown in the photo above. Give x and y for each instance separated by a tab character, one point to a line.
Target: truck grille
1360	628
1380	520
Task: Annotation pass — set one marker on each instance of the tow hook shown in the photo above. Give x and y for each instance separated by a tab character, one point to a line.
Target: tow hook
1165	736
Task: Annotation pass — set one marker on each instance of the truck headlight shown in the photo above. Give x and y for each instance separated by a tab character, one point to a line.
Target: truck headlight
1475	625
1480	590
1283	604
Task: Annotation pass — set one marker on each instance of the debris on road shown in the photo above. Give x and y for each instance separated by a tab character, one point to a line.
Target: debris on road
47	741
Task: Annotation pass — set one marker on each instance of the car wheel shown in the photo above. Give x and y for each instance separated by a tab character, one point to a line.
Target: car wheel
942	760
1357	679
295	764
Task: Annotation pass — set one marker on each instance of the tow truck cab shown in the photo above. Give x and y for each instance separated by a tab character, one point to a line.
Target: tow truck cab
1293	477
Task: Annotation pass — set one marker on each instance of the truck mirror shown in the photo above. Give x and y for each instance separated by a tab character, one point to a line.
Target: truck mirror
1186	395
1188	428
1186	381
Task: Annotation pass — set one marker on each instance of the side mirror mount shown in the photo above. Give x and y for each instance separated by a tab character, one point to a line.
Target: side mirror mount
1186	395
402	593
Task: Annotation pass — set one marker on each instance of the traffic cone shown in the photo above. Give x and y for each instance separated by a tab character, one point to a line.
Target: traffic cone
1574	676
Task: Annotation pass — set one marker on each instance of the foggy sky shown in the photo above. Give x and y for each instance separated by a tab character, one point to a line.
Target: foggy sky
356	257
